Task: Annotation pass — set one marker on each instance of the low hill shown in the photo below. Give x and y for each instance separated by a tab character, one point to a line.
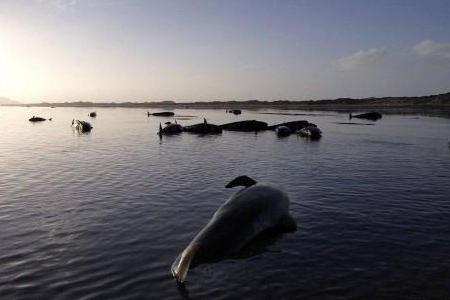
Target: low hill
7	101
441	101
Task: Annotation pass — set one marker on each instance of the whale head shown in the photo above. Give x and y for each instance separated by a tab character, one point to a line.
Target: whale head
243	180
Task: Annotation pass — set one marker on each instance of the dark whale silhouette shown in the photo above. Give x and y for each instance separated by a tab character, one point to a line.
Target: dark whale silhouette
161	114
36	119
283	131
81	126
312	132
373	116
293	125
235	111
244	216
248	125
170	128
203	128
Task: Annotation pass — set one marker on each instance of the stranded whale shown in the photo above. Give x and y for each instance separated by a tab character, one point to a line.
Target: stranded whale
253	210
36	119
170	128
247	125
161	114
373	116
203	128
81	126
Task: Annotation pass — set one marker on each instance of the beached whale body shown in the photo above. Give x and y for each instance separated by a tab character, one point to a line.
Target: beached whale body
247	125
161	114
170	128
249	212
373	116
36	119
312	132
81	126
203	128
283	131
293	125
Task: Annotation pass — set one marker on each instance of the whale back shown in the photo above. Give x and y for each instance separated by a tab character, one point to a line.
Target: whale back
260	205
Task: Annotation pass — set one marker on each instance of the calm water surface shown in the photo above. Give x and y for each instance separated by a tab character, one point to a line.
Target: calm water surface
104	215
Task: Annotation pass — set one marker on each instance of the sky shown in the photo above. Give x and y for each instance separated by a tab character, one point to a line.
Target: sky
143	50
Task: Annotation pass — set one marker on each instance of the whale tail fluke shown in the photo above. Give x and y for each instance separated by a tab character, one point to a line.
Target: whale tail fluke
243	180
181	265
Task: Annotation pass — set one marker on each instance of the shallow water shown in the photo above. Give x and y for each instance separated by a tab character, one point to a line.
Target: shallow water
104	215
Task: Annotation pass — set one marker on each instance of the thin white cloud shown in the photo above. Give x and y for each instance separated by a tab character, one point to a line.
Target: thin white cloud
431	48
361	58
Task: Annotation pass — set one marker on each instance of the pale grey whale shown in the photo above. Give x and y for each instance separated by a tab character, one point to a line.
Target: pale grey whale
245	215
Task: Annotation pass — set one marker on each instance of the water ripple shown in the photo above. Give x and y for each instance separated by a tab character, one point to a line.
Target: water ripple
103	216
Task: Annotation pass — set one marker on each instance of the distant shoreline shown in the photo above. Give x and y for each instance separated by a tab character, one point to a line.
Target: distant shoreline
432	102
248	107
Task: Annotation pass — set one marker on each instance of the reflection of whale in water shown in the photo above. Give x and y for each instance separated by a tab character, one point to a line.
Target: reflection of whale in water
203	128
257	246
247	125
251	211
373	116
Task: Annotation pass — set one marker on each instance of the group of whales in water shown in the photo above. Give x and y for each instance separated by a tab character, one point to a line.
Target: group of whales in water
246	215
81	126
303	128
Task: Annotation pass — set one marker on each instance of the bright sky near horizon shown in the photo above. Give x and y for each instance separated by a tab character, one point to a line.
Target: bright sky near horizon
142	50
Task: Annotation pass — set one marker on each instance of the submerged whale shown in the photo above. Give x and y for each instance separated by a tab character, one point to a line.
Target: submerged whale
36	119
235	111
203	128
293	125
373	116
161	114
81	126
247	125
170	128
311	132
283	131
248	213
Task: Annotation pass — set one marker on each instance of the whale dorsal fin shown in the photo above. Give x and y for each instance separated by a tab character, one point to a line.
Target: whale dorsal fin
241	180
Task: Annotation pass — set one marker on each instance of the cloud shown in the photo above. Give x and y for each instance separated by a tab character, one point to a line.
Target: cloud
431	48
361	58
